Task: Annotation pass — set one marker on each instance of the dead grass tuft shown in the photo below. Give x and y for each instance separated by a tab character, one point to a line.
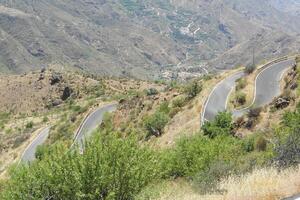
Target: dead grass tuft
263	184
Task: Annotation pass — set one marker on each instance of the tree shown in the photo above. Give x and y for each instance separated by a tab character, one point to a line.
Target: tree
193	89
250	69
155	123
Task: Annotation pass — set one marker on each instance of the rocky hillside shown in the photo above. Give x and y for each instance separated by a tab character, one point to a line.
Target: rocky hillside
144	39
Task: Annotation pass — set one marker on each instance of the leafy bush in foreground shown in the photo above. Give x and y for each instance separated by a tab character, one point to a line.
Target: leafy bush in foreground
110	168
194	155
221	125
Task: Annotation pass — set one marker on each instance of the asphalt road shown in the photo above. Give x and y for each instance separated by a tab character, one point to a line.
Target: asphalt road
296	197
267	85
29	153
218	98
92	122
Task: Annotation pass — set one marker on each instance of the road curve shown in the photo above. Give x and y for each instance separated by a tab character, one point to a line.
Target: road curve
296	197
92	122
267	85
29	153
217	100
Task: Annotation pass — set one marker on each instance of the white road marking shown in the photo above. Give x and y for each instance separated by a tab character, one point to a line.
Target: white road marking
255	86
35	139
228	96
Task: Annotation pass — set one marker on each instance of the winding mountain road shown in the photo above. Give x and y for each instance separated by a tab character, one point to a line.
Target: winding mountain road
92	122
29	153
85	130
217	100
267	86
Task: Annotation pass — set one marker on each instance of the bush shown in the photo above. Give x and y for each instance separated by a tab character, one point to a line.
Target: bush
174	111
41	152
240	98
291	119
179	102
155	123
241	84
193	89
221	125
29	125
151	92
45	119
250	69
110	168
287	150
261	144
164	107
194	155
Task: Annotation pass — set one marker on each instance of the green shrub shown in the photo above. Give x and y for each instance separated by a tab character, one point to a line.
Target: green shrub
193	89
261	144
110	168
45	119
194	155
155	123
42	151
29	125
179	102
288	151
241	84
291	119
240	98
164	107
221	125
151	92
287	145
75	108
249	143
174	111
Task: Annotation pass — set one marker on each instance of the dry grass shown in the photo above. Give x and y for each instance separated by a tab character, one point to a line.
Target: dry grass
175	190
263	184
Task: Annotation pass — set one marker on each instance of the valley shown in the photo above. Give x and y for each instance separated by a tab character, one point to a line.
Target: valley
140	100
142	39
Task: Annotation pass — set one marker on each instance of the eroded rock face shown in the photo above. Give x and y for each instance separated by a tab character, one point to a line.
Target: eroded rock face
67	93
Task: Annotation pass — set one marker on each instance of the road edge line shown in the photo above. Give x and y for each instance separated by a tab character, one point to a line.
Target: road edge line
35	138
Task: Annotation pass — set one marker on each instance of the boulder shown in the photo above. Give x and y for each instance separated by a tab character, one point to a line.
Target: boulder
55	78
66	93
56	102
281	103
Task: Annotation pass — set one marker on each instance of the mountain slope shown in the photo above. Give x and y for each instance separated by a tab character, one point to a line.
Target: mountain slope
137	38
